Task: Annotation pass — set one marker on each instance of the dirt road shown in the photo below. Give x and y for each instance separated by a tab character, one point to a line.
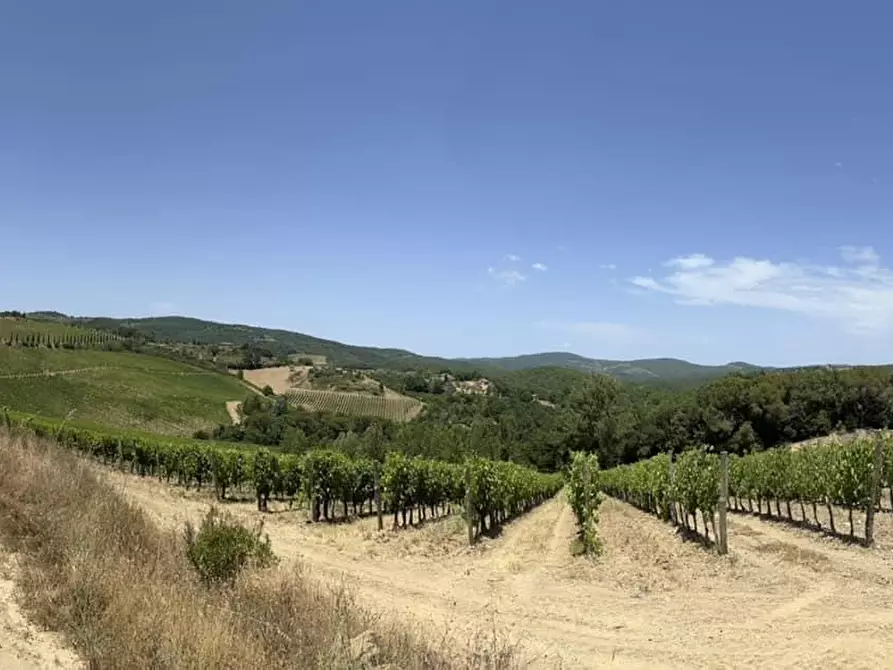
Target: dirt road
783	598
232	408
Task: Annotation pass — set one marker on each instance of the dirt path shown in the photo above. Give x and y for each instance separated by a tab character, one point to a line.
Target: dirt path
782	598
232	408
23	646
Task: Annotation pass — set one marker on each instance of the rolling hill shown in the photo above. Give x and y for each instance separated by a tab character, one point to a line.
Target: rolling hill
283	342
642	370
120	389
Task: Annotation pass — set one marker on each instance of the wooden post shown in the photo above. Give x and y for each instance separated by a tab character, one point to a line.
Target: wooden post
875	490
377	496
673	516
469	504
723	539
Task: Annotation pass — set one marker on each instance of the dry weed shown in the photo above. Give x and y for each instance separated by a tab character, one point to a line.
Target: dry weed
125	596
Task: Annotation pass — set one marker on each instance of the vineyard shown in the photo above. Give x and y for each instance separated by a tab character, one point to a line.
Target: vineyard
412	489
30	333
848	477
399	408
116	388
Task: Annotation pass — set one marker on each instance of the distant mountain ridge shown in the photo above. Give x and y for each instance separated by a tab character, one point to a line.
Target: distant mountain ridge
187	329
643	369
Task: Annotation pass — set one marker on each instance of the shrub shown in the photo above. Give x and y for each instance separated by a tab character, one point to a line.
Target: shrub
268	390
222	547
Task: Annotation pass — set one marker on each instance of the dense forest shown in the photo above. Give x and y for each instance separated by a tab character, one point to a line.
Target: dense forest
620	422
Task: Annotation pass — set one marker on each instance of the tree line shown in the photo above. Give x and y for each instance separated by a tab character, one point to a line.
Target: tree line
740	413
621	422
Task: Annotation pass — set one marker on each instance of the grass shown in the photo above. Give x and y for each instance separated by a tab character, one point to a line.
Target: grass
122	592
120	389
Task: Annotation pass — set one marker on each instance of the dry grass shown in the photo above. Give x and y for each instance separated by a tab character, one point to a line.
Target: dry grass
797	555
122	592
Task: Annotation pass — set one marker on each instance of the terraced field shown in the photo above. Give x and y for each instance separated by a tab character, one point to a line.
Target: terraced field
392	407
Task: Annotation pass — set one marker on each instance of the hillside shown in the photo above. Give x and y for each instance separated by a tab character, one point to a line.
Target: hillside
640	370
283	342
117	388
279	342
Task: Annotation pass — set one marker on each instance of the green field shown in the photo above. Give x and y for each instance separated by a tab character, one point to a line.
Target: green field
116	388
395	408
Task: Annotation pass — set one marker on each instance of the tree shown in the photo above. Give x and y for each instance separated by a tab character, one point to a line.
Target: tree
596	429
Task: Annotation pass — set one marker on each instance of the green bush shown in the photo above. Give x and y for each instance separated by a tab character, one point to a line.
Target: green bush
222	547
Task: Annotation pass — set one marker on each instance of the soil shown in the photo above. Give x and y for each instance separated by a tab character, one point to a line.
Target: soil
276	378
232	408
784	597
23	646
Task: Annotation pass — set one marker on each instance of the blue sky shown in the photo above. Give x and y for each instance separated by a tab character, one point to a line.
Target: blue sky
694	179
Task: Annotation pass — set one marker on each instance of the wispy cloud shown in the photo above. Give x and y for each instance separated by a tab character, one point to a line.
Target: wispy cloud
858	293
506	277
540	267
604	331
512	258
608	266
161	308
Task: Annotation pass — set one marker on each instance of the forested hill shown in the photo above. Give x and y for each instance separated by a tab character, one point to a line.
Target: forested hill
643	370
283	342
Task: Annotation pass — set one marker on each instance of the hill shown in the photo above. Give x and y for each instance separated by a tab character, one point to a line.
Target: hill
122	389
284	342
639	370
279	342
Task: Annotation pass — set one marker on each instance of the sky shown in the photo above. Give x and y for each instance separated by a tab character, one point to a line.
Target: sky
702	180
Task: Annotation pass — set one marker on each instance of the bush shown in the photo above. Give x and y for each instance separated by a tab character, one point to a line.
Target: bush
268	390
222	547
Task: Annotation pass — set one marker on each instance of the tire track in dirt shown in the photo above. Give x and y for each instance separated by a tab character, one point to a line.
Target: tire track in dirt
651	600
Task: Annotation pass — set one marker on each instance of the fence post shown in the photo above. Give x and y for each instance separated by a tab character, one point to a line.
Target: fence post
875	490
377	494
469	504
674	517
723	544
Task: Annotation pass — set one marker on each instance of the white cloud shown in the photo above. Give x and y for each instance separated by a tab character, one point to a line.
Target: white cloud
861	256
857	294
540	267
512	258
506	277
608	266
690	262
598	330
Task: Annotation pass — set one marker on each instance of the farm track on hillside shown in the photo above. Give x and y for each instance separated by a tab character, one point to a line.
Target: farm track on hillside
781	599
103	368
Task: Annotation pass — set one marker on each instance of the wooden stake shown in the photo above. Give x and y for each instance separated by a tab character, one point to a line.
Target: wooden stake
875	490
377	495
723	539
469	511
673	516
